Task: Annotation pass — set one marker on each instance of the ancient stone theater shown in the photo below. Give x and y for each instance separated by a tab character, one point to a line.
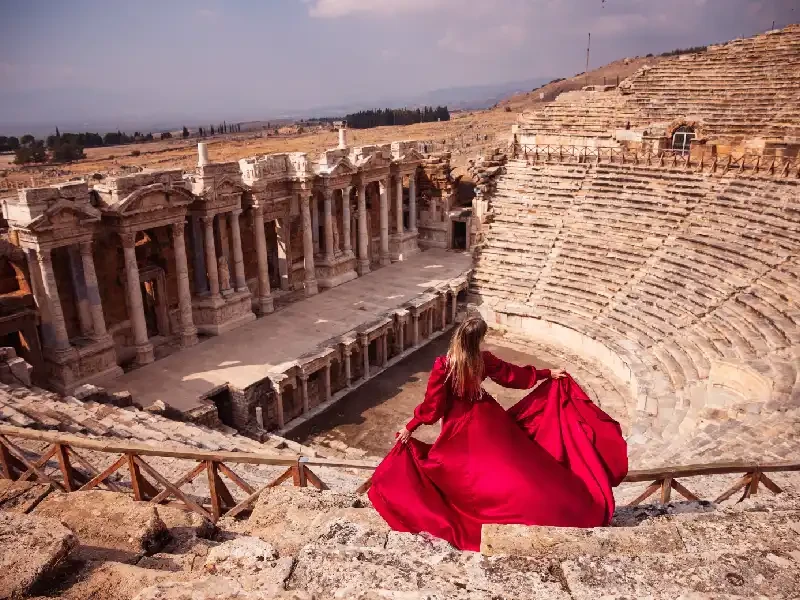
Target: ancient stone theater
165	332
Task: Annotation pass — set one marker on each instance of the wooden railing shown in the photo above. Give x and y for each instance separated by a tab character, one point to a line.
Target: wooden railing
71	471
746	163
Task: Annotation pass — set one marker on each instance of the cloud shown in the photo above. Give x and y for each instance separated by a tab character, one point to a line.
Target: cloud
333	9
206	14
500	38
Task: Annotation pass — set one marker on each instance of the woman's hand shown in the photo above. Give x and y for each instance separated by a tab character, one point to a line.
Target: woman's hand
403	435
557	373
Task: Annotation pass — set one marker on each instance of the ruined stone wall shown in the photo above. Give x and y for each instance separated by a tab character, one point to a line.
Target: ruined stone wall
435	195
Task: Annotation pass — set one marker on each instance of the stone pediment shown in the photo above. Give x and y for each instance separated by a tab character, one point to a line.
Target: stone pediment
152	198
375	161
64	215
341	168
228	185
410	156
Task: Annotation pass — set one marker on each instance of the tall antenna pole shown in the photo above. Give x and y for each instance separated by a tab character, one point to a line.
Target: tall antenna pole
586	73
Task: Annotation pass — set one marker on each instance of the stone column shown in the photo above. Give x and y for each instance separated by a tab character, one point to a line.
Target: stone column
50	289
365	352
264	293
348	376
384	190
430	322
304	391
415	329
211	256
398	204
92	291
384	348
79	287
444	312
363	236
198	256
399	337
454	307
144	349
282	232
238	259
328	215
327	382
279	405
315	222
46	322
412	201
346	248
188	330
224	242
308	248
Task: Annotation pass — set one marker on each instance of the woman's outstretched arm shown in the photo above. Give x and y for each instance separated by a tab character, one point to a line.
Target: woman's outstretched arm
435	403
512	376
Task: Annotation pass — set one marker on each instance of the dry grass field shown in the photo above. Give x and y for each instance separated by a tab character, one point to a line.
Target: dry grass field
466	135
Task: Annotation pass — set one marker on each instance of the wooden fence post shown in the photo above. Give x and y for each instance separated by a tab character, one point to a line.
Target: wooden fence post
142	489
6	460
220	494
299	473
66	468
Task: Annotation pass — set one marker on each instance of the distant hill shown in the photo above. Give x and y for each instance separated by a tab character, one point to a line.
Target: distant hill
608	74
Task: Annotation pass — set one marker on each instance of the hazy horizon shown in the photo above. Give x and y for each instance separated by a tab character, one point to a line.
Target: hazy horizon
194	62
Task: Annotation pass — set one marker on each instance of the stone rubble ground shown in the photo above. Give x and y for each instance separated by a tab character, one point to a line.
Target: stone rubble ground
345	551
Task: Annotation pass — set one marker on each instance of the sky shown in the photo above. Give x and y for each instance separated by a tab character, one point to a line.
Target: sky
208	60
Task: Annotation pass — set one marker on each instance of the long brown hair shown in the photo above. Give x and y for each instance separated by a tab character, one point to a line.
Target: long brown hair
464	361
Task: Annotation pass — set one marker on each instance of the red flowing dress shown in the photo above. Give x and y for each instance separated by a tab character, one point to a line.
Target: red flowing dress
551	459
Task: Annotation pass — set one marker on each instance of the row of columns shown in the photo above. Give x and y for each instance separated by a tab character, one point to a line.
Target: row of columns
45	289
207	277
328	244
188	331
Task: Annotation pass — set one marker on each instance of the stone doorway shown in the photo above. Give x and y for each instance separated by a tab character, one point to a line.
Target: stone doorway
154	298
273	257
459	235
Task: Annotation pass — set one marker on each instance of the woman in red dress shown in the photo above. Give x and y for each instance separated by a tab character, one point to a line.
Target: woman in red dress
552	459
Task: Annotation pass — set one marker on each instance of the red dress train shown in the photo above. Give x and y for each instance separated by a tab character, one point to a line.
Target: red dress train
551	459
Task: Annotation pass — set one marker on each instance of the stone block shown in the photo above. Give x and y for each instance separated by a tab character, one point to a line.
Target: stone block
214	588
32	547
569	542
669	576
22	496
417	566
251	562
744	533
288	518
110	526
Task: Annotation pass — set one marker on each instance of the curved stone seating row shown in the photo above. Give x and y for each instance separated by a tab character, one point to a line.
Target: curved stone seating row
695	304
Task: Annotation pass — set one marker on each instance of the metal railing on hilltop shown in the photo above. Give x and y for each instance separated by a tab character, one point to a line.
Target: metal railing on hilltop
58	463
750	163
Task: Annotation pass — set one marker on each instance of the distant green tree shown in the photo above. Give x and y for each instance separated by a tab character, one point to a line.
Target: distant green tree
166	135
185	132
27	139
30	153
8	144
67	152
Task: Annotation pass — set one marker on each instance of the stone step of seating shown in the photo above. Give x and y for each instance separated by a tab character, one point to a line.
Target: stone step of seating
45	410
